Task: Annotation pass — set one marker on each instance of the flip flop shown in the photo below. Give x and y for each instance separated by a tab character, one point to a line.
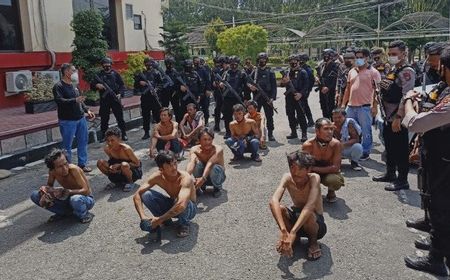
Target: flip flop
183	231
316	252
110	186
257	159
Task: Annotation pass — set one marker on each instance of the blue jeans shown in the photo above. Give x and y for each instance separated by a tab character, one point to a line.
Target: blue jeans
77	204
78	129
363	116
215	178
159	204
251	147
353	153
175	145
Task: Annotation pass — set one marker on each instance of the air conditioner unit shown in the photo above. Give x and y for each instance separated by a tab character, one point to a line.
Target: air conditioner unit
17	82
54	75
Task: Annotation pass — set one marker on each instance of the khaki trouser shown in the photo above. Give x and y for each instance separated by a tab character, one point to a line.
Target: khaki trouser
333	181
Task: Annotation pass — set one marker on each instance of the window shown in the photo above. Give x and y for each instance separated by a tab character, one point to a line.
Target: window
10	29
137	22
107	9
129	11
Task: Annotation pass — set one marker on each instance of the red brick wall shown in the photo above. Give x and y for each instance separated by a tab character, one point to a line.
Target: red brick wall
35	61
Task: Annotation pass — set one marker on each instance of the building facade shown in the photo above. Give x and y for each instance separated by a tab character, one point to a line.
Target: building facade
36	34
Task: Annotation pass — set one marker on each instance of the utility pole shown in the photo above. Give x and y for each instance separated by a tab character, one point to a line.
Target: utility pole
378	28
234	25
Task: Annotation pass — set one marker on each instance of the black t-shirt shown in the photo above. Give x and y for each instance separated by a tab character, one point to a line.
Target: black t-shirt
68	108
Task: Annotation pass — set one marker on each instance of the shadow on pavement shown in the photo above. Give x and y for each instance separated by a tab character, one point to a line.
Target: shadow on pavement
170	243
244	163
206	201
348	172
410	197
274	144
311	269
59	231
337	210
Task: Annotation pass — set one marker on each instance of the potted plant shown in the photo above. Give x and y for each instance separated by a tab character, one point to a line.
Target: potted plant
40	98
92	98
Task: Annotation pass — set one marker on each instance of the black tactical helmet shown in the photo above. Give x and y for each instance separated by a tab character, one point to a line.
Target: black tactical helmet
234	59
169	60
106	60
148	59
224	59
303	57
328	52
293	57
187	63
433	48
262	55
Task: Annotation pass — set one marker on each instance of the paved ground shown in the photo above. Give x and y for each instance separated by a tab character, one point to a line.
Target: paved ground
232	237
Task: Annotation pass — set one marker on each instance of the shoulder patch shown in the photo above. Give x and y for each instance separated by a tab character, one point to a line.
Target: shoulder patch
406	75
444	102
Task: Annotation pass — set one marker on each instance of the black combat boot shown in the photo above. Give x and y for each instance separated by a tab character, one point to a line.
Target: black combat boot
431	264
421	224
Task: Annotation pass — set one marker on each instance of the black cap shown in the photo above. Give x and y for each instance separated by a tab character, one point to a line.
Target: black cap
235	59
262	55
433	48
169	60
303	57
106	60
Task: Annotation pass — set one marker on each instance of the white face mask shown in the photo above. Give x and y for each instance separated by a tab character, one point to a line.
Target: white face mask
393	60
74	78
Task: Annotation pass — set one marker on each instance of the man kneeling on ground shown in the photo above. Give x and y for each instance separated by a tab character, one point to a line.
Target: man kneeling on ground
348	131
244	135
191	124
73	197
123	167
180	203
326	151
207	164
165	134
305	218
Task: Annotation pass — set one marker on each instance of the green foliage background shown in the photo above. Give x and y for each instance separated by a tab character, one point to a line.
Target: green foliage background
244	40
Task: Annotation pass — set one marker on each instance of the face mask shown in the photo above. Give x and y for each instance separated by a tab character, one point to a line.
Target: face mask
107	68
326	58
233	66
293	64
360	62
348	64
393	60
262	63
74	78
188	68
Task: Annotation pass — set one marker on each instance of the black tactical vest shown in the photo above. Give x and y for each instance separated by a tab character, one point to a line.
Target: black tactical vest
391	92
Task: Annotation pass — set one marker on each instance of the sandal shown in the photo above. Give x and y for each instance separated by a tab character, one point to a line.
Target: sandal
87	219
183	231
55	218
110	186
86	169
314	255
257	158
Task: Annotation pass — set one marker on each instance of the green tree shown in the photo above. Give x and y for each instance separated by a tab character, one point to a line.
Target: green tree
89	44
212	31
174	41
244	40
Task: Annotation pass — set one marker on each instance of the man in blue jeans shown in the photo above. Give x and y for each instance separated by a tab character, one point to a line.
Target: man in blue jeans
181	202
71	110
244	135
75	195
165	135
207	164
359	97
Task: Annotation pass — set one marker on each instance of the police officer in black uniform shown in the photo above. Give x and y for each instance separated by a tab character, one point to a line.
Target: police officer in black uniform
303	58
237	80
111	87
265	78
394	86
248	69
205	75
435	127
150	94
221	64
193	82
174	91
298	79
327	73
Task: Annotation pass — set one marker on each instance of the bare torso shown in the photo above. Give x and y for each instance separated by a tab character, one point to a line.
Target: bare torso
300	194
173	187
166	128
243	128
323	156
73	180
120	153
204	155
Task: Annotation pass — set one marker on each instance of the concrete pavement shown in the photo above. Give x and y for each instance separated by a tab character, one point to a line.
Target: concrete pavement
232	237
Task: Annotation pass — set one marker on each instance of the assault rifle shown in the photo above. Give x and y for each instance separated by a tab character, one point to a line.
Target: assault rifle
168	82
290	89
261	92
188	91
150	89
107	91
229	88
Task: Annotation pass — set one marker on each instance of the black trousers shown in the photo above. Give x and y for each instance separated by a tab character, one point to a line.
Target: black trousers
204	106
305	105
176	105
164	97
106	105
218	97
295	114
327	104
149	105
268	112
397	151
440	215
227	111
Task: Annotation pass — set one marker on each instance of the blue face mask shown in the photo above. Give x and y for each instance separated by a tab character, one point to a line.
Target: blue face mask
360	62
